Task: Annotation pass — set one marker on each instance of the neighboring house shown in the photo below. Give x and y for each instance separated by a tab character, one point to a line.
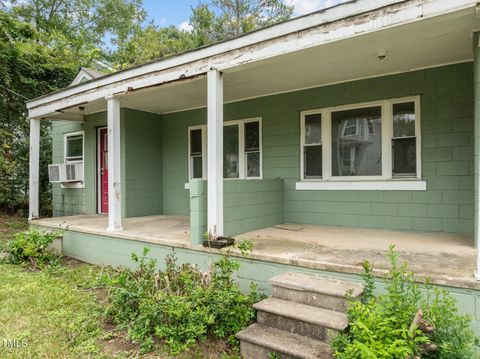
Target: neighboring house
337	133
85	74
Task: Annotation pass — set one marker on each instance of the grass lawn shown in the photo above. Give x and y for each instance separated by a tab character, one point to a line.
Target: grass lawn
60	313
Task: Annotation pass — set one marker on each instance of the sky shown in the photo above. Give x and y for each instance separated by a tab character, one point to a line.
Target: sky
177	12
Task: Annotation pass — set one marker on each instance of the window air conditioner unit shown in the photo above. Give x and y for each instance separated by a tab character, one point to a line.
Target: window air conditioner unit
64	173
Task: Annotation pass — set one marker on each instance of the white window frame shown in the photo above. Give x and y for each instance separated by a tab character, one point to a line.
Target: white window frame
241	148
203	128
386	180
66	161
242	163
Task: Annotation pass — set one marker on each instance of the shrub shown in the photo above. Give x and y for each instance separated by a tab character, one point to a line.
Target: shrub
402	323
180	304
32	248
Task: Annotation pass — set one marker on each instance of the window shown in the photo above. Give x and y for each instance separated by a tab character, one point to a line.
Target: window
252	149
242	150
74	147
404	140
355	151
197	152
231	152
312	149
372	141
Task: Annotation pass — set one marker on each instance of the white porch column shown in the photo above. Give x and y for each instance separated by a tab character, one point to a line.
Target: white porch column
114	181
34	170
476	120
215	153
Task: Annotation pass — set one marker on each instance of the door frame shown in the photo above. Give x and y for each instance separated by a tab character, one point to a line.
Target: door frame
99	177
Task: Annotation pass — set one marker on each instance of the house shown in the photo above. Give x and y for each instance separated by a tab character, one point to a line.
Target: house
322	139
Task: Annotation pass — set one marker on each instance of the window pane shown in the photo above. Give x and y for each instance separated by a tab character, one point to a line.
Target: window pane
196	142
75	146
253	164
357	142
197	167
252	136
230	151
313	129
313	161
404	119
404	156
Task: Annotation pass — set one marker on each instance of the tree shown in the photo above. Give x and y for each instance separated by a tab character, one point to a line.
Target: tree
81	26
27	69
226	19
211	22
151	43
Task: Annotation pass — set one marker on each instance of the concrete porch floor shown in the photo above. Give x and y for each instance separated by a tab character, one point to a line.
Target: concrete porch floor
160	229
447	259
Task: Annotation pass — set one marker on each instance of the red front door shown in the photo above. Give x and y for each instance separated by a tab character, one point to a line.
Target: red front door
103	148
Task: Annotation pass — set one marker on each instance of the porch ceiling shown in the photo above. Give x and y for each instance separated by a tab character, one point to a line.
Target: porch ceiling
427	43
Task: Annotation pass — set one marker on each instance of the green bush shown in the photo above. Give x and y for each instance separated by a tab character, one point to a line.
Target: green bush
180	304
383	326
32	248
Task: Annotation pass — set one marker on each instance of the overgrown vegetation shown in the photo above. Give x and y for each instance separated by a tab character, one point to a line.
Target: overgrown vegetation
403	322
9	225
180	305
33	248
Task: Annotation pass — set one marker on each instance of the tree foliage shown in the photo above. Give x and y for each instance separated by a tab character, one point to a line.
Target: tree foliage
27	69
80	26
210	22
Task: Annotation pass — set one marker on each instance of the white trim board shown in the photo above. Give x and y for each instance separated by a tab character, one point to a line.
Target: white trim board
391	185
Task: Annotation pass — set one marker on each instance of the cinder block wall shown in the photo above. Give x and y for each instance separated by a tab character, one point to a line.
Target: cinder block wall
447	153
248	205
141	162
252	204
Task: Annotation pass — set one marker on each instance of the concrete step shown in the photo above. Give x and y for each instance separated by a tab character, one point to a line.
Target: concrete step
302	319
321	292
261	342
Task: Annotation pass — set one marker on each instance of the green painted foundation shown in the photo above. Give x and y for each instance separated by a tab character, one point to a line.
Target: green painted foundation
102	250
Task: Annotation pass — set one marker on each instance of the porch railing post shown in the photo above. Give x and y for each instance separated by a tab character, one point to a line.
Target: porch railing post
114	181
476	86
215	153
34	170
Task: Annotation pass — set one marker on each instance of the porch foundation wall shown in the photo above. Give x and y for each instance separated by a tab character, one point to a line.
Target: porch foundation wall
103	250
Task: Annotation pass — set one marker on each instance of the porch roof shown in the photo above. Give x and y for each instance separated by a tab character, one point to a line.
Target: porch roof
339	44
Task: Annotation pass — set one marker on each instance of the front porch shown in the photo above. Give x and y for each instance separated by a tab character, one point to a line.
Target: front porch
447	259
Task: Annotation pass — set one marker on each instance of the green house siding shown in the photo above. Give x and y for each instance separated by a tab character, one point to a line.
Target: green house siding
446	100
141	163
447	153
